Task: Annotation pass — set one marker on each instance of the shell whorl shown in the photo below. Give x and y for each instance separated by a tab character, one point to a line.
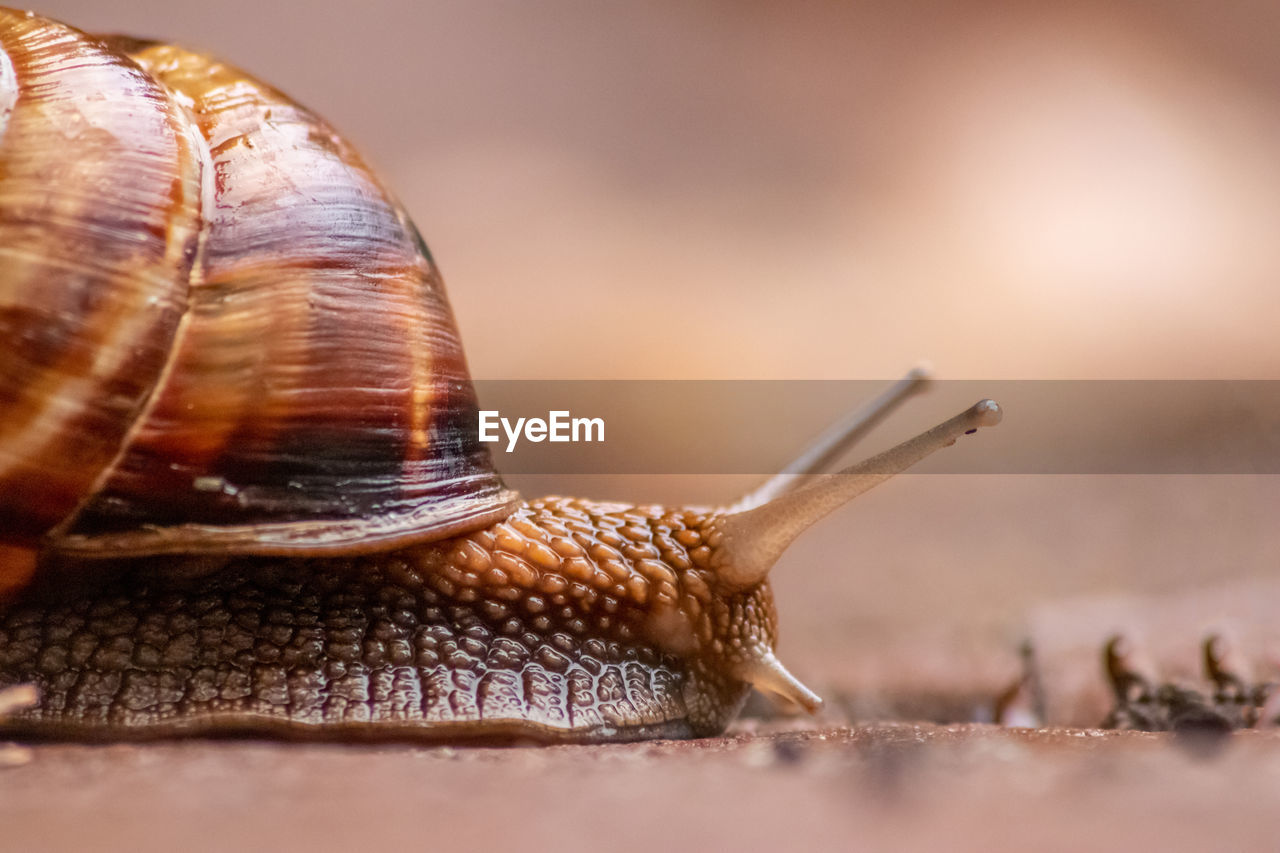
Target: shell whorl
302	388
99	215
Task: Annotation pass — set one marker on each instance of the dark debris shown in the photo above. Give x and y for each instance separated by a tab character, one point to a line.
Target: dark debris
1228	700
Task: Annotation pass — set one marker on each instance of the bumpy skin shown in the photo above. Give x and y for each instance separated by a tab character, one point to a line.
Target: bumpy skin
568	621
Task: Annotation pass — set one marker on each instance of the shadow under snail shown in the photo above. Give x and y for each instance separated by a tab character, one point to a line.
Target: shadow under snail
241	487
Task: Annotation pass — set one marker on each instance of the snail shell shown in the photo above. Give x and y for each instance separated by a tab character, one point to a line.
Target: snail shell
223	345
219	332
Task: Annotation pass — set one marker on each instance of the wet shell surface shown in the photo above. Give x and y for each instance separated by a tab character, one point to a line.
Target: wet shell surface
219	332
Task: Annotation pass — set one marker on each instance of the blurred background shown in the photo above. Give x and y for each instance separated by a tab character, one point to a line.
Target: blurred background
825	190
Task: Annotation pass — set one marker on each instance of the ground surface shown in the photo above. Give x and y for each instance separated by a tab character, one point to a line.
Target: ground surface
913	787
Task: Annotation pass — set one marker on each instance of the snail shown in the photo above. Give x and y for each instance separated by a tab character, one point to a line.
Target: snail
241	488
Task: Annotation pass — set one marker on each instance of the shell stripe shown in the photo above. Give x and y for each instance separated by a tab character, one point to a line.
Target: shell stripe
319	400
99	215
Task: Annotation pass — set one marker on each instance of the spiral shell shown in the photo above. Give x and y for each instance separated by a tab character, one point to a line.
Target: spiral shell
218	330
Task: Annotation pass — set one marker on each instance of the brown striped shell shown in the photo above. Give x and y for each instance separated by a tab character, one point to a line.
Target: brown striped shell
218	331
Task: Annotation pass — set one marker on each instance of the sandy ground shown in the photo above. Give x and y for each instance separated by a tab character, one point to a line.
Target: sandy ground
887	786
811	190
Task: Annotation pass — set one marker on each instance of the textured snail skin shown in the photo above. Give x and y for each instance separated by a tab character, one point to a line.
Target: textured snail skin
568	621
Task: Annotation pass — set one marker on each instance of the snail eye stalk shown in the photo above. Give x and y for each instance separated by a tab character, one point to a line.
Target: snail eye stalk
752	540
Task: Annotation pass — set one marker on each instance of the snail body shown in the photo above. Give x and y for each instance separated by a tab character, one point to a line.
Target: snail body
568	620
241	487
